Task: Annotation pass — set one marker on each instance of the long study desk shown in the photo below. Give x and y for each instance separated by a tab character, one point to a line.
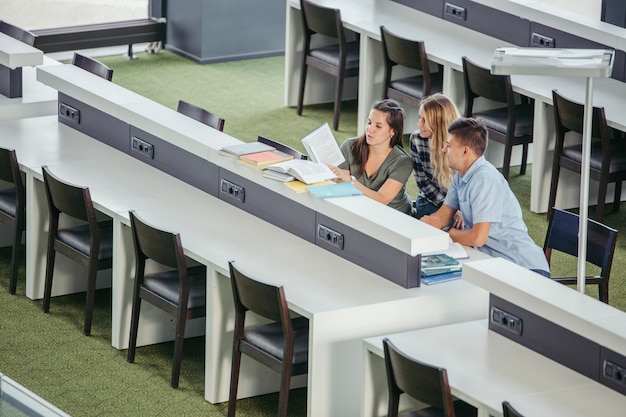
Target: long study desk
343	301
485	368
446	44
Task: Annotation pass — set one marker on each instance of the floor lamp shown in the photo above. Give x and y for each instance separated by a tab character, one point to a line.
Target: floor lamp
589	63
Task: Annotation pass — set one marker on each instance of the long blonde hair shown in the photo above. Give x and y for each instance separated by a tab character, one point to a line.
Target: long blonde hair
439	112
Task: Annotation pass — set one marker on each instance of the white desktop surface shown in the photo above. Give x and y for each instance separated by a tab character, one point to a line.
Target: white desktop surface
15	53
446	44
343	301
485	368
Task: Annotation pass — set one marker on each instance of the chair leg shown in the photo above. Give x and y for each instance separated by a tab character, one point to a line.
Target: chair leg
91	295
506	164
522	170
15	259
603	292
234	379
47	292
301	89
601	200
556	168
285	379
134	326
338	97
618	196
178	347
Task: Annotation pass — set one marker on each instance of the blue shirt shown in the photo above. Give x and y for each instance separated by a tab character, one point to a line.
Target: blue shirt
483	195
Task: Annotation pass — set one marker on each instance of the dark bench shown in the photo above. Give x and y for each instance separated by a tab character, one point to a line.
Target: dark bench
71	38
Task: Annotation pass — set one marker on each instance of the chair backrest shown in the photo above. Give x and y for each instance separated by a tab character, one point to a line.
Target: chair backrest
421	381
562	235
159	245
480	82
10	172
323	20
282	147
93	66
201	115
401	51
15	32
509	411
70	199
262	298
569	116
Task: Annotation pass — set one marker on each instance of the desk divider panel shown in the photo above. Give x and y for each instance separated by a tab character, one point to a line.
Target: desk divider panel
545	337
10	81
267	205
93	122
432	7
367	252
173	160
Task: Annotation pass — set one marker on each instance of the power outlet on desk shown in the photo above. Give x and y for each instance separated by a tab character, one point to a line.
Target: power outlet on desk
330	236
142	147
614	372
68	112
506	321
233	190
455	11
541	41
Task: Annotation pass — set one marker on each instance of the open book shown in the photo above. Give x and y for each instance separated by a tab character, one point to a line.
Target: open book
308	172
321	146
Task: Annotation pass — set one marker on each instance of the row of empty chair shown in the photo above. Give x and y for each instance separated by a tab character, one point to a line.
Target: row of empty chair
510	122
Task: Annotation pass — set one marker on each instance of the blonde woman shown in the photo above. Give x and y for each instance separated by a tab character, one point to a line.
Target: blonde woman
430	166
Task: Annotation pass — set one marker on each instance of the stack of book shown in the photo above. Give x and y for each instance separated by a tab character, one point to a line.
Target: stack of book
255	153
439	267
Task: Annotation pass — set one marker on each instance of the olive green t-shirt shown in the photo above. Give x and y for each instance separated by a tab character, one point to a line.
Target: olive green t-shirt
397	166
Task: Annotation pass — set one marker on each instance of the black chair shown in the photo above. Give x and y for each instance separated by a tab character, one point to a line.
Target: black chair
180	291
281	345
510	124
422	382
509	411
408	53
18	33
282	147
201	115
608	156
340	59
89	244
12	208
562	236
93	66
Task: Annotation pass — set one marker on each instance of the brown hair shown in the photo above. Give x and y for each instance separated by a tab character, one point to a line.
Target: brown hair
395	119
471	133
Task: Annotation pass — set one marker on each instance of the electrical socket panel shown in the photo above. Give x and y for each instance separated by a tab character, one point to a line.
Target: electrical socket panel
455	11
505	320
541	41
233	190
330	236
69	113
614	372
142	147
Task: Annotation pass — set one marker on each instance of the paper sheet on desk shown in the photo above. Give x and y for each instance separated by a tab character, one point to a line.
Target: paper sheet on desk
455	249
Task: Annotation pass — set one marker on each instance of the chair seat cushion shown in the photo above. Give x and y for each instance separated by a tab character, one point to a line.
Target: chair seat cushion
618	156
166	284
78	238
498	119
330	55
269	337
8	201
414	86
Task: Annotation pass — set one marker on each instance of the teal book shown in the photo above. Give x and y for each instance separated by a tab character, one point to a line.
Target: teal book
438	271
438	260
341	189
439	278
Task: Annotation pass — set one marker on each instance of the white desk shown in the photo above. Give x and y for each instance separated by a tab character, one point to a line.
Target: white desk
16	54
444	46
344	302
485	368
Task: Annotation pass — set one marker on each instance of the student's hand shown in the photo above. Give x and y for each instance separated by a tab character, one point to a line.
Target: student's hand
431	220
457	220
343	175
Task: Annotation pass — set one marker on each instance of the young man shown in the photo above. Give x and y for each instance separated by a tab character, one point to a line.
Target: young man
491	213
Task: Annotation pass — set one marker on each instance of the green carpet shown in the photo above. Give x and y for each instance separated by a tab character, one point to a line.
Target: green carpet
85	376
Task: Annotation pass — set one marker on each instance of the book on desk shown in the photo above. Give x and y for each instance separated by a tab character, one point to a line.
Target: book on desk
308	172
341	189
439	267
236	151
321	146
261	159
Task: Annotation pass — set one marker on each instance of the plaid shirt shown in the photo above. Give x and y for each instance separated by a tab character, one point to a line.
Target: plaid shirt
423	171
